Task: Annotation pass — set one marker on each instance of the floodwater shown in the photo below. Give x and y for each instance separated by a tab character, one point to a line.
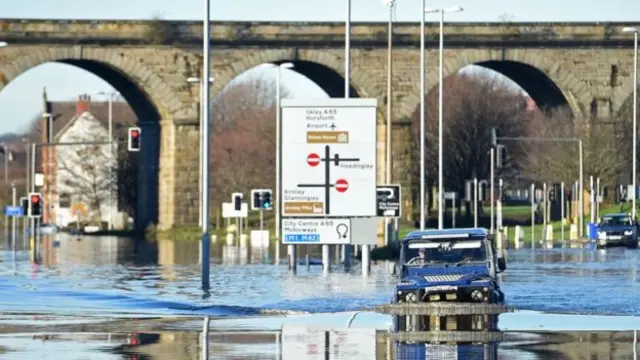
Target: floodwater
107	278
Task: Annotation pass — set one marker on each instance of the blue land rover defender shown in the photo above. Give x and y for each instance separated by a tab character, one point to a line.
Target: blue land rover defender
447	266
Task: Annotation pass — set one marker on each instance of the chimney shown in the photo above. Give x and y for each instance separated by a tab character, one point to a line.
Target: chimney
83	104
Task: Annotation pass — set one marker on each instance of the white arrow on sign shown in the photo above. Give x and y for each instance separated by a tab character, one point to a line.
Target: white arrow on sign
390	191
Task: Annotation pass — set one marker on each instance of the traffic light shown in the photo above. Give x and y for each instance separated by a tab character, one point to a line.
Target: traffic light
24	203
495	133
133	141
266	203
501	156
261	199
236	199
35	205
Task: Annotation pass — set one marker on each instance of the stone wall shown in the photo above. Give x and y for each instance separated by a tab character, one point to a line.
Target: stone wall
590	63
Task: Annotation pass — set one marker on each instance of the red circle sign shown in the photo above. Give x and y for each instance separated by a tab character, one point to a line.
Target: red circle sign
313	159
342	185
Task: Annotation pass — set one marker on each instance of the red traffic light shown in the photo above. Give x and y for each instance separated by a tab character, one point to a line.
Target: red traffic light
135	133
35	198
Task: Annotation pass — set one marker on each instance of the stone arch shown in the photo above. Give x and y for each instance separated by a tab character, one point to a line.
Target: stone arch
574	91
150	84
152	99
359	80
623	97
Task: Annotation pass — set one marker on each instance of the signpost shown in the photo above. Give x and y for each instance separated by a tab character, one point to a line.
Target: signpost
340	135
328	156
13	211
388	200
316	231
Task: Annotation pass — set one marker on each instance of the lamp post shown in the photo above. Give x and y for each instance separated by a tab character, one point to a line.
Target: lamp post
290	248
440	109
390	4
192	80
422	110
635	32
204	148
110	96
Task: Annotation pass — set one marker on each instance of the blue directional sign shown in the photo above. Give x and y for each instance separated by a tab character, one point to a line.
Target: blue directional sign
302	238
12	210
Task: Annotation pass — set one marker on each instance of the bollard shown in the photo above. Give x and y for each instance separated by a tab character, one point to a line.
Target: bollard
325	260
244	240
548	236
518	238
230	239
573	232
505	239
365	260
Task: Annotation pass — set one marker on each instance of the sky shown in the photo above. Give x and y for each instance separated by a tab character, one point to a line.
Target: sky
21	100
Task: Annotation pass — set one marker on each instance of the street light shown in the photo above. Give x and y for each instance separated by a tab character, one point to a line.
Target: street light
290	248
194	80
440	110
110	96
204	147
635	32
390	4
422	109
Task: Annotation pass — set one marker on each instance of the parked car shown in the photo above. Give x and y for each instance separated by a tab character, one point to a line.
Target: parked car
617	230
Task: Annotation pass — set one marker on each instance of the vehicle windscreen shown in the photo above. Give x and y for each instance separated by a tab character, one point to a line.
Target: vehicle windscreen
616	220
422	253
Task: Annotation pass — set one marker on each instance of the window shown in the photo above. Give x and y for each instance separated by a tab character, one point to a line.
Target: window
65	201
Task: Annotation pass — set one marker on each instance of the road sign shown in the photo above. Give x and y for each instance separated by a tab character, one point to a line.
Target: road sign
342	185
228	210
79	209
388	200
12	210
313	159
316	231
340	135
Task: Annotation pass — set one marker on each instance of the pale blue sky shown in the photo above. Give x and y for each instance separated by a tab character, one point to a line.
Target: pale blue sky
21	99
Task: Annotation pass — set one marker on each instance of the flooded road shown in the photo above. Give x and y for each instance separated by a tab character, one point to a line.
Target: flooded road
105	278
118	276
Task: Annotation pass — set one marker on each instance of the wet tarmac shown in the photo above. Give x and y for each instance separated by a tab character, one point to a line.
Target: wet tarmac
180	338
107	278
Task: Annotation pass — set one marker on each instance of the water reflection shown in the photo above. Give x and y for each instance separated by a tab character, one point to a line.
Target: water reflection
159	340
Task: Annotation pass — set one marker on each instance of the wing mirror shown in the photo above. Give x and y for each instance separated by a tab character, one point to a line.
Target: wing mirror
391	267
502	264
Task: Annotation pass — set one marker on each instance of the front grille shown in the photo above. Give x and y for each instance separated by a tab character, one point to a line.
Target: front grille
615	233
443	278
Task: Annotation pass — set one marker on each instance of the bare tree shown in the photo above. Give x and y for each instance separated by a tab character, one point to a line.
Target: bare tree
559	161
473	105
86	172
126	173
243	139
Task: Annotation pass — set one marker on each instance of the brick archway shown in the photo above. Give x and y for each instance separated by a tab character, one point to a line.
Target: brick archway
359	80
155	103
574	91
156	90
623	97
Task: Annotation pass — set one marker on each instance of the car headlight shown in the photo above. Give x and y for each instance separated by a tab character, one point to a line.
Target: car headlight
480	295
628	232
602	234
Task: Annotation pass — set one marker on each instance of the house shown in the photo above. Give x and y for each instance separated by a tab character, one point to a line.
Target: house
79	170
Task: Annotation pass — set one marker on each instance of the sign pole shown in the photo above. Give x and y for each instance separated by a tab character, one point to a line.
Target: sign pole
533	214
13	218
261	226
475	202
562	211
